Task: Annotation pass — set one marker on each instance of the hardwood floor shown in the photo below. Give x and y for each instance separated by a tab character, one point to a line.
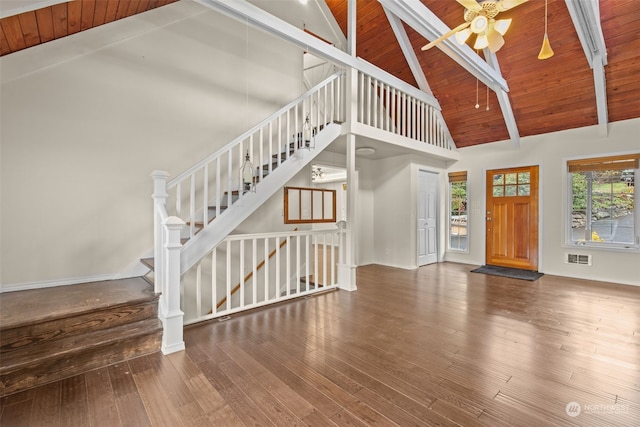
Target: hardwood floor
434	346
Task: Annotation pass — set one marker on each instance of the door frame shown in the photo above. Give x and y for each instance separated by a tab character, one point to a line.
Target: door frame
540	207
438	176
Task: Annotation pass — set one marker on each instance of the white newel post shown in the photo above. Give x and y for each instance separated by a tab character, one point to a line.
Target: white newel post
347	266
159	208
172	316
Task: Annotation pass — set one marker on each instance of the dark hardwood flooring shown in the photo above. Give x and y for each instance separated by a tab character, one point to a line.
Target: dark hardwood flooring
435	346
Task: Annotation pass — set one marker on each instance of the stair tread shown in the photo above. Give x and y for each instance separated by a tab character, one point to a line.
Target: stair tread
23	308
15	359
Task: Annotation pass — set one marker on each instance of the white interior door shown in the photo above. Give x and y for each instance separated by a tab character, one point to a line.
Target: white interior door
427	217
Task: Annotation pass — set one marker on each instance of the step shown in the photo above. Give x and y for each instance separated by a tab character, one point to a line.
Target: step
28	367
77	324
54	333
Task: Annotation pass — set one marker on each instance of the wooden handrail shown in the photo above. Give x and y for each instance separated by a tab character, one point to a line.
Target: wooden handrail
250	274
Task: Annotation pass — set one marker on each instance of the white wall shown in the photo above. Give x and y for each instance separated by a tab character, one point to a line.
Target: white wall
394	184
87	118
550	152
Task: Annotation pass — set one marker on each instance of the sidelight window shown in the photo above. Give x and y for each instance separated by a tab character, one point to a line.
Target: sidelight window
458	213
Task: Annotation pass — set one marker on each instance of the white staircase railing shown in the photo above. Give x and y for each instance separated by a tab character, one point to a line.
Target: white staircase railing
249	271
201	193
406	112
208	189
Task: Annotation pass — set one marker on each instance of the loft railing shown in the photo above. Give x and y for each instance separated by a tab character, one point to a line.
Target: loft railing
403	111
268	267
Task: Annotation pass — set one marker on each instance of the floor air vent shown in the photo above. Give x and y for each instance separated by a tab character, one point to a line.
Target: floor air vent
579	259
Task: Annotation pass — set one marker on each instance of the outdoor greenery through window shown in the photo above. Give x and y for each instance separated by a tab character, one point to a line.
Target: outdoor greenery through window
458	231
602	195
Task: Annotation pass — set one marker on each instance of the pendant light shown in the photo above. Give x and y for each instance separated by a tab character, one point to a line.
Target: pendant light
546	51
248	183
307	132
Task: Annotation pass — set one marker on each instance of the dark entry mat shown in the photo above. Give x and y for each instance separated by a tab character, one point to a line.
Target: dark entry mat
514	273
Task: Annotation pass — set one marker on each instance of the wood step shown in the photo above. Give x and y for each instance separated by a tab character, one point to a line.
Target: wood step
54	333
54	360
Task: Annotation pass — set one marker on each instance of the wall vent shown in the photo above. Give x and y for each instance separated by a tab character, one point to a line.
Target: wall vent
578	259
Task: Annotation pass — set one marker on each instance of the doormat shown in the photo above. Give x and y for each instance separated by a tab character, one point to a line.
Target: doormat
514	273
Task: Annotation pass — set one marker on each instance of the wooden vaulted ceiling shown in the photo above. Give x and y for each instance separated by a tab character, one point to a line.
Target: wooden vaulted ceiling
39	26
546	96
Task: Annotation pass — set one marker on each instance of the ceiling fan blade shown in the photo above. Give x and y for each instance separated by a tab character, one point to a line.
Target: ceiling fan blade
470	4
495	39
503	5
446	35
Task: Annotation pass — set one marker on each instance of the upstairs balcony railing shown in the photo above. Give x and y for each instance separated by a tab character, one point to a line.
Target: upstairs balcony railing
404	111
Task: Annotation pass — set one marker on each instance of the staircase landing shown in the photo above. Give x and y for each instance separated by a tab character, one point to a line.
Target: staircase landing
54	333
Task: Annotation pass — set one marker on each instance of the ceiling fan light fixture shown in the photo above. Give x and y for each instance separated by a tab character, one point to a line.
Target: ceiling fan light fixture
495	40
545	52
481	42
479	24
502	25
463	35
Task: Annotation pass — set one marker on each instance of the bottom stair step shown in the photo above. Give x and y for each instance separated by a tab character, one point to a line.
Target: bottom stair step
32	366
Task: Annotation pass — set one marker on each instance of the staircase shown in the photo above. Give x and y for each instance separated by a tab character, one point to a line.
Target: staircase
54	333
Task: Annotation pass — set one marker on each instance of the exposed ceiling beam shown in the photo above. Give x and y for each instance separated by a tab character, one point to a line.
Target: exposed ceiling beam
585	15
246	12
505	104
429	26
407	50
336	31
412	60
351	27
417	16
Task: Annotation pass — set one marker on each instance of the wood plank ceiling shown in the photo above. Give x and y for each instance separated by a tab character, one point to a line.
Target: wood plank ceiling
546	96
39	26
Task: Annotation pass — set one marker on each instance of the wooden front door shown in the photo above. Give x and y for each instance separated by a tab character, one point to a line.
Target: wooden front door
512	218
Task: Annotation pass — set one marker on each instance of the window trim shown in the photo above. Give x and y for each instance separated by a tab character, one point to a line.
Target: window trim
600	163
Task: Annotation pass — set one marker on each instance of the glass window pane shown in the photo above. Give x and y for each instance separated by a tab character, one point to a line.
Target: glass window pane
498	179
510	178
510	190
602	208
498	191
458	239
524	190
524	177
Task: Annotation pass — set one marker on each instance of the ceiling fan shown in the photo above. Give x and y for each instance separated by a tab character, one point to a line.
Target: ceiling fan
480	19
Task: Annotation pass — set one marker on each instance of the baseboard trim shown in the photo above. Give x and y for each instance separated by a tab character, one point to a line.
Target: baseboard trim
14	287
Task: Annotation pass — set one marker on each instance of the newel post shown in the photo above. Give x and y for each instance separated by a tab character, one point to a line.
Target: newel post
159	197
172	316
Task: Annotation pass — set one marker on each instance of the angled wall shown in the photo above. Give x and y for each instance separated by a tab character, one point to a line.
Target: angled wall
87	118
